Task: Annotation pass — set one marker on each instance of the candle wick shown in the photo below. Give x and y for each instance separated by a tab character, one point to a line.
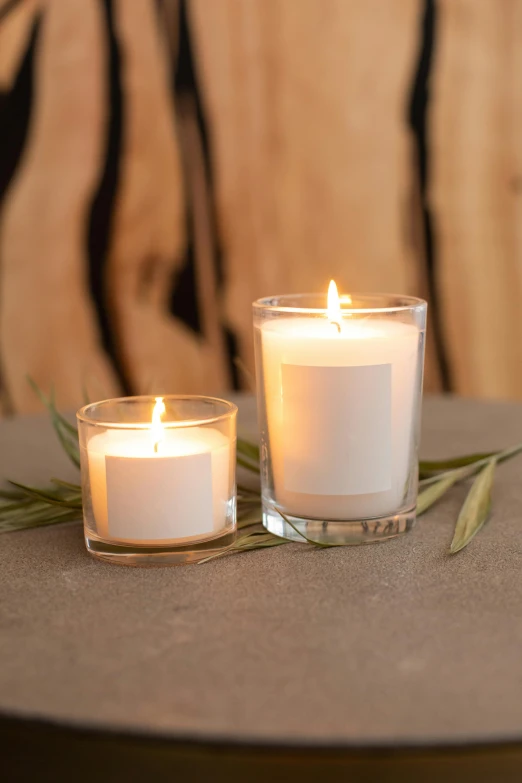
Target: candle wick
156	447
335	323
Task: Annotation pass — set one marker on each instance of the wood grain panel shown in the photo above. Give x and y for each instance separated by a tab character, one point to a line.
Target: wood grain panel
158	352
477	191
199	202
48	327
307	102
169	15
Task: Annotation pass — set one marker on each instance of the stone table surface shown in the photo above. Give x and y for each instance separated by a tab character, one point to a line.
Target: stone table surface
391	644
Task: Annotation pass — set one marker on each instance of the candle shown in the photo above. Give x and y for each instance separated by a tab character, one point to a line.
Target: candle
158	484
178	491
338	410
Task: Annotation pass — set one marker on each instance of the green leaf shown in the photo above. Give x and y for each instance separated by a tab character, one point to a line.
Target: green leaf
70	448
321	544
259	540
67	433
429	496
248	449
49	404
51	517
246	464
15	507
8	494
470	470
248	505
429	467
45	514
249	522
67	485
476	508
74	502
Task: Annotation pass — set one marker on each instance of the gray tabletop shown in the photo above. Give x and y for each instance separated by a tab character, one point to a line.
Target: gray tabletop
391	644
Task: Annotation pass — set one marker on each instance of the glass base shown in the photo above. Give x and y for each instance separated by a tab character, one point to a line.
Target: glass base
151	556
335	531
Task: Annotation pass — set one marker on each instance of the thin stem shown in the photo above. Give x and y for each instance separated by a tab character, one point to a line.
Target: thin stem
470	470
309	540
247	465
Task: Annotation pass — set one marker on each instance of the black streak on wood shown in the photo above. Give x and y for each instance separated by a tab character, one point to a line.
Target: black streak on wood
15	112
102	209
418	121
184	302
184	299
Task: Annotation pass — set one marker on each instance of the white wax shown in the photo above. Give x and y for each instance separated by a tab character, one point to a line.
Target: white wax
339	410
179	494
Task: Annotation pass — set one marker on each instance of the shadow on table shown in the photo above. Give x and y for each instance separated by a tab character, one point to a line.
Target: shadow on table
30	750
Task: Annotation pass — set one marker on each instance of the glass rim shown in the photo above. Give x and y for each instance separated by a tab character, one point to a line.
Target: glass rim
404	303
82	415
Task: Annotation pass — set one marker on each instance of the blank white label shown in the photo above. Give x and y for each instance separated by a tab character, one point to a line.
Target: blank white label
337	429
160	497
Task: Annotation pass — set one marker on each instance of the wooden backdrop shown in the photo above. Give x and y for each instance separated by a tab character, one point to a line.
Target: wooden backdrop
163	163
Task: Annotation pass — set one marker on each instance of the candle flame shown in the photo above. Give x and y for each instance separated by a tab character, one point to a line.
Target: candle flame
334	306
156	428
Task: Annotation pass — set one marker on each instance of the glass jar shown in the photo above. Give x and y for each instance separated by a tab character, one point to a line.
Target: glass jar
158	478
339	399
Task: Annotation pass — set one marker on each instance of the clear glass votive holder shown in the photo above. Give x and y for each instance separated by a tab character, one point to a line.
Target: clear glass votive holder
339	399
158	478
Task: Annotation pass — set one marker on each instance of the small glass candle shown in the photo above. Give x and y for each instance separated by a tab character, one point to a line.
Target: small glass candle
158	478
339	389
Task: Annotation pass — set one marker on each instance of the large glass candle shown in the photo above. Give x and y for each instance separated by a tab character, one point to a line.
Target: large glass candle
339	389
158	478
